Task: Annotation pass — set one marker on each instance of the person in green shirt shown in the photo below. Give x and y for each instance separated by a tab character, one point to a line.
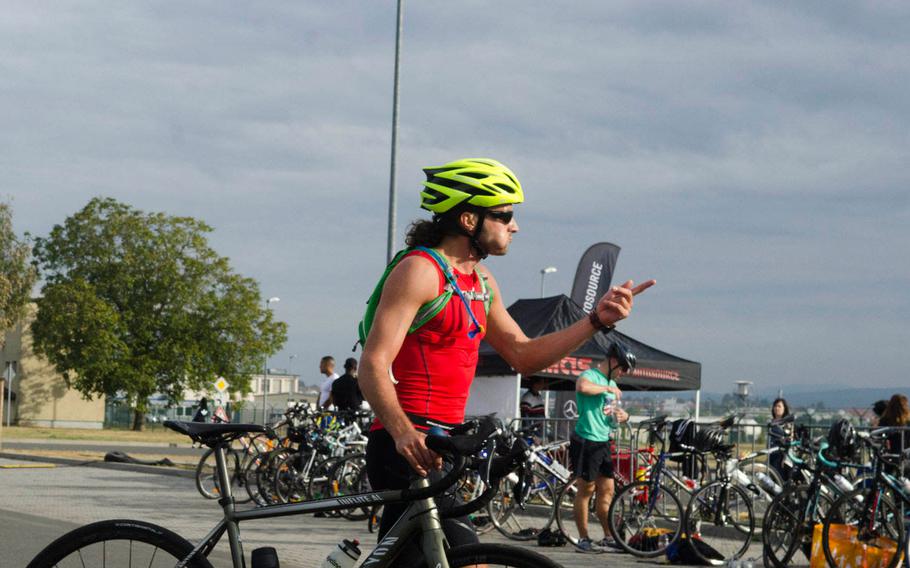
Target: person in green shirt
589	446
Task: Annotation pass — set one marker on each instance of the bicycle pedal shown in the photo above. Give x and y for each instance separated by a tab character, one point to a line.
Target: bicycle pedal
265	557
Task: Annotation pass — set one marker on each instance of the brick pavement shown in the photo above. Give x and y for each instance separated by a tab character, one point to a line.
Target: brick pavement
81	495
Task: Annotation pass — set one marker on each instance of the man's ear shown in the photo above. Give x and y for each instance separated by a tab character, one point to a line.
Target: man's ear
468	220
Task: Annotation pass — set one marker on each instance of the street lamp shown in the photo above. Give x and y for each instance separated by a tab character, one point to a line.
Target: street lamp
265	377
543	273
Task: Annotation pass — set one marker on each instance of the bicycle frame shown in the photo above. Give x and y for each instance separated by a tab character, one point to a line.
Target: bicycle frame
421	518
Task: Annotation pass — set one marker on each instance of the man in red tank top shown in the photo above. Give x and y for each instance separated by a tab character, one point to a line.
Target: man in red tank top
417	380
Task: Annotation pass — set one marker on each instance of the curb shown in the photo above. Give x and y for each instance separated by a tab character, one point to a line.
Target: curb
137	468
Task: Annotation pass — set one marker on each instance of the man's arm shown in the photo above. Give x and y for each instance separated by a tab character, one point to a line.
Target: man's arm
527	356
411	284
586	387
329	401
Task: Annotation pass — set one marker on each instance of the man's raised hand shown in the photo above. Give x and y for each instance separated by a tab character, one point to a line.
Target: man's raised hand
616	304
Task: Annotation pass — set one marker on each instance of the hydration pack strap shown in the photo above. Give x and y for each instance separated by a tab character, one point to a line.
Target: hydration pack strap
450	276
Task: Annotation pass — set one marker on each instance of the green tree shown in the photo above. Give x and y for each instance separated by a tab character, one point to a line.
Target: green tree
17	276
136	303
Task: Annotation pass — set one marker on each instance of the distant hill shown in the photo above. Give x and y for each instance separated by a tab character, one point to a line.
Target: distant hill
843	398
832	396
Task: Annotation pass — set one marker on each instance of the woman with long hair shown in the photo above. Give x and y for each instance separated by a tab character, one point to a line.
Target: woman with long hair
897	413
778	434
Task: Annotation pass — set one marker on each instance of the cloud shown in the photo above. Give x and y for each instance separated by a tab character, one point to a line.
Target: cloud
749	156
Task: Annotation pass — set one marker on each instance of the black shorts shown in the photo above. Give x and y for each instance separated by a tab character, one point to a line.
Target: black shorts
590	460
387	469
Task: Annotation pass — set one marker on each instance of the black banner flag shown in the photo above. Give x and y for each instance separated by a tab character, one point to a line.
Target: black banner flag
594	274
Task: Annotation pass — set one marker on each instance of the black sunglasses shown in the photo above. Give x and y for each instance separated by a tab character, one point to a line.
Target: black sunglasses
503	216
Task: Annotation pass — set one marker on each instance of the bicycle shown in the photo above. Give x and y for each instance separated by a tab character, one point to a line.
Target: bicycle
564	507
239	460
160	547
522	517
645	517
871	517
719	514
789	522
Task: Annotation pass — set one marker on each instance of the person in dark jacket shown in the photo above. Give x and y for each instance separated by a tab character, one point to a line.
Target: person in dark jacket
345	391
202	413
778	434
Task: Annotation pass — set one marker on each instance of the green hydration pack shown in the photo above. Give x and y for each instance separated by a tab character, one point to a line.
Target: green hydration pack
429	310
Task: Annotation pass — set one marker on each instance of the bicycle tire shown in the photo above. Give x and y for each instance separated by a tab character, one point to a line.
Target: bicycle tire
637	515
207	475
265	475
564	513
785	530
497	555
291	479
320	485
111	540
534	516
847	510
761	499
347	477
721	515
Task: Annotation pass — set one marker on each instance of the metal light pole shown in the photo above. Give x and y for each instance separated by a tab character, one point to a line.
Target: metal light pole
543	273
265	377
390	249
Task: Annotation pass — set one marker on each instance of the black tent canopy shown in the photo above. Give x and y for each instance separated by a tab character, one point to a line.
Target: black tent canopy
656	370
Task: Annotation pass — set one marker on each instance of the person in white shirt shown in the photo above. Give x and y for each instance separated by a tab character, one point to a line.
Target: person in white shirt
533	408
327	368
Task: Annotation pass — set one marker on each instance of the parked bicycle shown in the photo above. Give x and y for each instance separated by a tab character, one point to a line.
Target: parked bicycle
131	542
867	526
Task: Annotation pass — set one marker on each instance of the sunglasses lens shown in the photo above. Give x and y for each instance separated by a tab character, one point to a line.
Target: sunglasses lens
504	216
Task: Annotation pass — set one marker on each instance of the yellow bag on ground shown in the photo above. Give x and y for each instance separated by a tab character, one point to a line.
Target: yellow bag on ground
849	552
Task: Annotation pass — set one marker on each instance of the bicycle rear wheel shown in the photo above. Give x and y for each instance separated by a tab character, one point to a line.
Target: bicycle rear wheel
857	534
533	515
116	544
207	475
786	530
720	515
347	477
497	556
645	520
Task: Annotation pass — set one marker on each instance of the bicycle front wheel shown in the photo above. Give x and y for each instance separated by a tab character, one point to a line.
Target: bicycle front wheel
788	525
860	530
720	515
207	474
526	520
497	556
116	544
644	519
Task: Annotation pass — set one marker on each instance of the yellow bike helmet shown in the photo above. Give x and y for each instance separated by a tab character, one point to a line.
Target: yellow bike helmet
480	182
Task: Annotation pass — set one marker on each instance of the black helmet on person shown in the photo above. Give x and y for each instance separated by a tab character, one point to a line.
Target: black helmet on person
624	357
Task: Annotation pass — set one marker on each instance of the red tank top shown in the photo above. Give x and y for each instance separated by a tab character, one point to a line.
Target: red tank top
435	365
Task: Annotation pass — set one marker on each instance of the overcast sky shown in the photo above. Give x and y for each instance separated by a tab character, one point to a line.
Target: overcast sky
750	157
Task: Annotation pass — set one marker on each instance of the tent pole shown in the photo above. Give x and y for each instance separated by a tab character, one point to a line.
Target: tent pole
517	398
697	405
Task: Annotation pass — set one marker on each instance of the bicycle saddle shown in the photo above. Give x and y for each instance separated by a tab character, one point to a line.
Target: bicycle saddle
212	434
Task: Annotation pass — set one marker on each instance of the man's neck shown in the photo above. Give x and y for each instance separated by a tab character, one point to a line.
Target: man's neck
459	253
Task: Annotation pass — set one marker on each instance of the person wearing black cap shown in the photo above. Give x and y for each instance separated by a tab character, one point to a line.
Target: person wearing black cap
345	391
877	410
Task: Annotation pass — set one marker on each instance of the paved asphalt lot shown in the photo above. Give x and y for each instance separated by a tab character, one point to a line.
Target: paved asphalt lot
39	504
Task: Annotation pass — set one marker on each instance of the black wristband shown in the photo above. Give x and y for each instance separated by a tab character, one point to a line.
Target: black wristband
599	325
